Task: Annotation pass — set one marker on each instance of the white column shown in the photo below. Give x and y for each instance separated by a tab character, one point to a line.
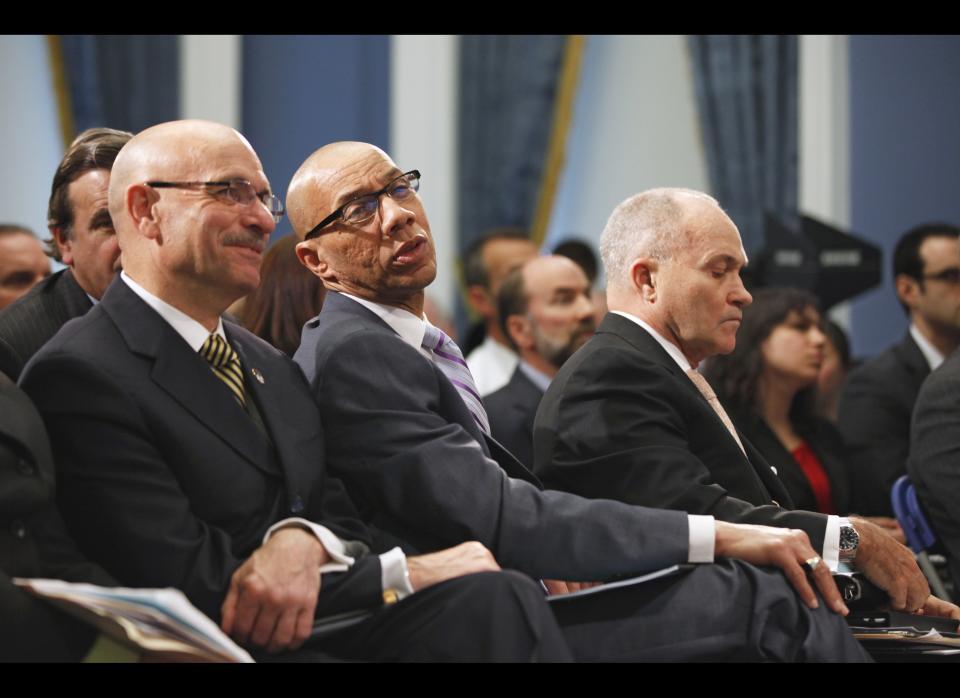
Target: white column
30	133
210	78
825	135
423	135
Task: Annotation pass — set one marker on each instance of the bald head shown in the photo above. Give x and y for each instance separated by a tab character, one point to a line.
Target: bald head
173	151
313	184
196	246
655	223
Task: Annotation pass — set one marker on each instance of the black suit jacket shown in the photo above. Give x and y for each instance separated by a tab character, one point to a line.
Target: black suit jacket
622	420
164	479
33	540
415	461
874	412
511	411
934	461
32	320
824	441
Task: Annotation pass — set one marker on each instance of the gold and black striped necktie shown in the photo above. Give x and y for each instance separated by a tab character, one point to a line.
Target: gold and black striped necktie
225	364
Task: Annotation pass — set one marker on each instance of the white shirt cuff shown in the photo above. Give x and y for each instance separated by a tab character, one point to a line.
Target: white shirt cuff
394	574
831	542
703	538
340	562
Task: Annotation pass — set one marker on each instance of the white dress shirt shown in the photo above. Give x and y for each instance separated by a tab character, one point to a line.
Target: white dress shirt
831	538
933	355
702	531
393	563
491	364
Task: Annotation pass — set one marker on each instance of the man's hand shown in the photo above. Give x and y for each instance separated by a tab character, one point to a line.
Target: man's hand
939	607
785	548
466	558
274	593
891	526
559	588
890	566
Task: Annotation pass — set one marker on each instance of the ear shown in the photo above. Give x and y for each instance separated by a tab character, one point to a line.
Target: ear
140	203
520	331
310	256
64	245
481	300
907	289
644	278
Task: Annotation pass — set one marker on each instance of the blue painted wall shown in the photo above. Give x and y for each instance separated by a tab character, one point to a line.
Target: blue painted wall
905	157
301	92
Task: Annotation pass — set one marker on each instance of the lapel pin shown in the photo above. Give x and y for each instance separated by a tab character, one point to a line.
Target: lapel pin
256	374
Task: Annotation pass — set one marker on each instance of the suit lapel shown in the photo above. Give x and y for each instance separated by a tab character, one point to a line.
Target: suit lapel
764	477
71	300
185	375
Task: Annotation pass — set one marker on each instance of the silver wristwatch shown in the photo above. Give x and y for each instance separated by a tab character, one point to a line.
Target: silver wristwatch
849	542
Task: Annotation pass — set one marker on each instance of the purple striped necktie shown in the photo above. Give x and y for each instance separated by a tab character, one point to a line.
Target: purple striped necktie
448	358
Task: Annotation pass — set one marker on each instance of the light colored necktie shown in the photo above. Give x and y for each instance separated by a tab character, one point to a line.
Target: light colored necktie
704	387
225	365
448	358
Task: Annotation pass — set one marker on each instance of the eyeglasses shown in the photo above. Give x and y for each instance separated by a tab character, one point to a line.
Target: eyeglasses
237	191
363	208
951	275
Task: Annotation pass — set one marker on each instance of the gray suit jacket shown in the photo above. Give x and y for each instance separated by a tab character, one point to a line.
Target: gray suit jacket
875	409
28	324
417	465
934	461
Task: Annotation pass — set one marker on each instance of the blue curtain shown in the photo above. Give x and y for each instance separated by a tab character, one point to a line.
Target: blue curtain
746	89
124	82
508	86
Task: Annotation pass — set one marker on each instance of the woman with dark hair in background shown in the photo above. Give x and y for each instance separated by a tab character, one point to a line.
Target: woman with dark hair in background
288	296
768	385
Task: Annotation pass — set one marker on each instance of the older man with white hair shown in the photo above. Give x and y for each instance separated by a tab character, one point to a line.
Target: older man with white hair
628	417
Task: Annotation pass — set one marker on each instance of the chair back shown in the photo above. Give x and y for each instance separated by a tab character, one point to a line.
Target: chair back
919	535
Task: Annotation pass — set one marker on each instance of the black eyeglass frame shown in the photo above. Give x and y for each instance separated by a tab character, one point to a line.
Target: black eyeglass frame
315	230
266	198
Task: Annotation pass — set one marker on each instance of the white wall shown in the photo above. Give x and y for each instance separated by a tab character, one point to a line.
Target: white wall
29	132
635	127
423	135
210	75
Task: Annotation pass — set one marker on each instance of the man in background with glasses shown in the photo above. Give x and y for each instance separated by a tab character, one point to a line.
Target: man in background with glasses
410	439
876	404
190	452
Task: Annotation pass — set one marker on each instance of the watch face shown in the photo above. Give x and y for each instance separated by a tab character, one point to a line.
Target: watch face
849	538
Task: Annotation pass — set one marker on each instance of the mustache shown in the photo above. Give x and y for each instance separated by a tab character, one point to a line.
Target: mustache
256	241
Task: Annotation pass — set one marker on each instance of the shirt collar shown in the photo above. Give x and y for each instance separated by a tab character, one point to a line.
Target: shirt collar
930	353
537	377
192	331
410	328
672	349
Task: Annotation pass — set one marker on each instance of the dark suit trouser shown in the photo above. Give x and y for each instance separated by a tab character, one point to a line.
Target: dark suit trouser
729	611
486	617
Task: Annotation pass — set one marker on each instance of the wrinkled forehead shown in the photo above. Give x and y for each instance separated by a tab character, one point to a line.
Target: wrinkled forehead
352	173
199	158
711	233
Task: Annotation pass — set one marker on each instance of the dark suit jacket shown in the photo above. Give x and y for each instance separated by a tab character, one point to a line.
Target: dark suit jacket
511	411
164	479
415	461
875	408
32	320
622	420
934	461
824	441
33	540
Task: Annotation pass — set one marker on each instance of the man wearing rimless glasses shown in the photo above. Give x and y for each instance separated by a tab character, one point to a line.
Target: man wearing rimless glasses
878	400
410	439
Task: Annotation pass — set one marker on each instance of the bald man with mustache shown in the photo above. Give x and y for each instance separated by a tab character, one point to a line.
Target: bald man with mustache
190	453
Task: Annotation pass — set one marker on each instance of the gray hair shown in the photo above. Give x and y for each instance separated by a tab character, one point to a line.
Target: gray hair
648	224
